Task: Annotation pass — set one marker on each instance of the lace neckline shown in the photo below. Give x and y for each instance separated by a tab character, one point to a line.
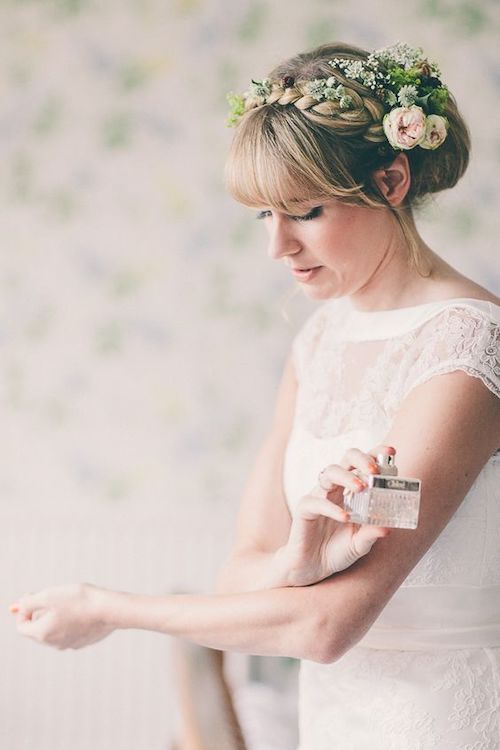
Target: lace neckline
362	325
422	306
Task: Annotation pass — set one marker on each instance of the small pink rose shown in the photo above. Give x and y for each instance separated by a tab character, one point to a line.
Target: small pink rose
405	127
435	131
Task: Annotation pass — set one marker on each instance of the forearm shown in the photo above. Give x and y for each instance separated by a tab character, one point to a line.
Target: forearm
280	622
253	571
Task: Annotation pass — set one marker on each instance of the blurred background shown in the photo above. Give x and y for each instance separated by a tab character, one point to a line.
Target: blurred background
143	328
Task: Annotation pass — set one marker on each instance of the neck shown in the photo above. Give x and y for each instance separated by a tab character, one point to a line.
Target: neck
398	282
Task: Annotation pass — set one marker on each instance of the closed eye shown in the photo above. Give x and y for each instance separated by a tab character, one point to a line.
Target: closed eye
312	214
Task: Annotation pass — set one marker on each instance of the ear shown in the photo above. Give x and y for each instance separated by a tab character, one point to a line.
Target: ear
394	181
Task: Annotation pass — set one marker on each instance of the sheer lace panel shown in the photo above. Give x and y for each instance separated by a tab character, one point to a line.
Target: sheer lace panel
346	385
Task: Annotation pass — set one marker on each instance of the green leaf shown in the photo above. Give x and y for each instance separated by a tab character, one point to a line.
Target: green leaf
438	100
237	108
423	101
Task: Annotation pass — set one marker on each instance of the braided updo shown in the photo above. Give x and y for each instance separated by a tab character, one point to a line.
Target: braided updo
293	149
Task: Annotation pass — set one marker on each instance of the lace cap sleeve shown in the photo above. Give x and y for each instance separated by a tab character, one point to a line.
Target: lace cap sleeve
459	338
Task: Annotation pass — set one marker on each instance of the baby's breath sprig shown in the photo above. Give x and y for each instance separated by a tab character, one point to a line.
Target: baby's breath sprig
366	74
398	74
397	55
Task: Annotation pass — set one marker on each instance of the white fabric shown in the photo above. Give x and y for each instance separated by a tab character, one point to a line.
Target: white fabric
427	673
267	716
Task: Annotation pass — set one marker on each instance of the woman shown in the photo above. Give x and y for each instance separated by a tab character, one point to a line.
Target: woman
401	649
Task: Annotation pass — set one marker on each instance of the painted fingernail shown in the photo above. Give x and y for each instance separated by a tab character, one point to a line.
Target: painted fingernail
14	608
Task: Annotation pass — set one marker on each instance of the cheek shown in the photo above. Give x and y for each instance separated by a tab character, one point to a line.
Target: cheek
346	240
345	231
357	235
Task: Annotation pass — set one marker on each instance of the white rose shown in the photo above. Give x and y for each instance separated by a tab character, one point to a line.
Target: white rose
405	127
436	130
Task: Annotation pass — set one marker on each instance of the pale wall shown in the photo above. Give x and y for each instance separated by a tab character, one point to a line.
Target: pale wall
141	333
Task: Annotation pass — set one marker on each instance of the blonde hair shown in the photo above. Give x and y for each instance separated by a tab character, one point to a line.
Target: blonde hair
293	149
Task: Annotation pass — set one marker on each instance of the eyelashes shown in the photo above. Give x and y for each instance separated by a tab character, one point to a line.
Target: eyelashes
312	214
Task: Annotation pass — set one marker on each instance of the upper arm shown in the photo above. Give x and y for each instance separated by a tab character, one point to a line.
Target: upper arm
264	520
444	432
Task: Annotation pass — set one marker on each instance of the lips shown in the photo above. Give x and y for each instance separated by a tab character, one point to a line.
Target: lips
304	274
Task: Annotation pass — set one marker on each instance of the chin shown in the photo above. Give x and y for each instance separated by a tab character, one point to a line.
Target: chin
319	292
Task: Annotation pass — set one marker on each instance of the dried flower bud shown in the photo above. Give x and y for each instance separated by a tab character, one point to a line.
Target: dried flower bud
425	69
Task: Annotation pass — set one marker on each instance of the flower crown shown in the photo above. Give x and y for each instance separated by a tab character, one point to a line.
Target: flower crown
405	82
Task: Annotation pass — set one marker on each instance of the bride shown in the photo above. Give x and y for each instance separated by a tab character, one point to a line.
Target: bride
399	640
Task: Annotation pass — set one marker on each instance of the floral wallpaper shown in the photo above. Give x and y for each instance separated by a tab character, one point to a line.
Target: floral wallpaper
143	329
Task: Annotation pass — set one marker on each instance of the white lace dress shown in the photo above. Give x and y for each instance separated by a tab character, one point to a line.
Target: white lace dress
427	673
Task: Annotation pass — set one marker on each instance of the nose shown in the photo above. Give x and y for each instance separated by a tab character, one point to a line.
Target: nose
282	238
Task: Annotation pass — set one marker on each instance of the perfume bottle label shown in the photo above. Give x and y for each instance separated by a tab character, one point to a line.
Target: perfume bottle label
396	483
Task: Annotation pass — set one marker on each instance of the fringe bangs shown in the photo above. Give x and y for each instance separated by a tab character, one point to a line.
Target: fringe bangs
275	161
259	172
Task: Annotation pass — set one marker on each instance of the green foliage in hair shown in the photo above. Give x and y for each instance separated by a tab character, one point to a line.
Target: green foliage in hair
236	108
439	99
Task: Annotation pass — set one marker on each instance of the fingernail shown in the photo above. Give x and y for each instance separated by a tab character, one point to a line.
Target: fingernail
14	608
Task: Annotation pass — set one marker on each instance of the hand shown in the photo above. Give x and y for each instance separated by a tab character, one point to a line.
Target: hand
68	616
322	540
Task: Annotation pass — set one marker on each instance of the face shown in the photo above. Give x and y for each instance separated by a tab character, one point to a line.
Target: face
347	245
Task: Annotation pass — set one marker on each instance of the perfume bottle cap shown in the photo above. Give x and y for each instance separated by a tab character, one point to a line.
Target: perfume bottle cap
387	465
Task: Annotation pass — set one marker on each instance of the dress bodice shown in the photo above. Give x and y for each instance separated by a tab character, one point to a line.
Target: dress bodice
354	369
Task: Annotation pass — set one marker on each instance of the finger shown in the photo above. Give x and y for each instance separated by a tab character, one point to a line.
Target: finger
337	475
388	450
15	607
25	627
30	603
357	459
310	507
38	627
29	628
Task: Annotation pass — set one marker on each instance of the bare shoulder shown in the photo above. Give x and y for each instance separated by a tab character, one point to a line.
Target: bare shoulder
468	288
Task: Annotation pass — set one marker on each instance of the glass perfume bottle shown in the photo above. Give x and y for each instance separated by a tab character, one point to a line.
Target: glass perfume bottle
389	500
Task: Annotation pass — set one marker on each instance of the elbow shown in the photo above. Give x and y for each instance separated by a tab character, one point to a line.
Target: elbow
325	652
324	646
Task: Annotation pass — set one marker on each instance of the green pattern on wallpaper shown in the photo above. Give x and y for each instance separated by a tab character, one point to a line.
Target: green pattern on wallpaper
143	331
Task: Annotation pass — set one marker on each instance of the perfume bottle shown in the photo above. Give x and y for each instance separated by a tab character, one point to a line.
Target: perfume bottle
389	500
